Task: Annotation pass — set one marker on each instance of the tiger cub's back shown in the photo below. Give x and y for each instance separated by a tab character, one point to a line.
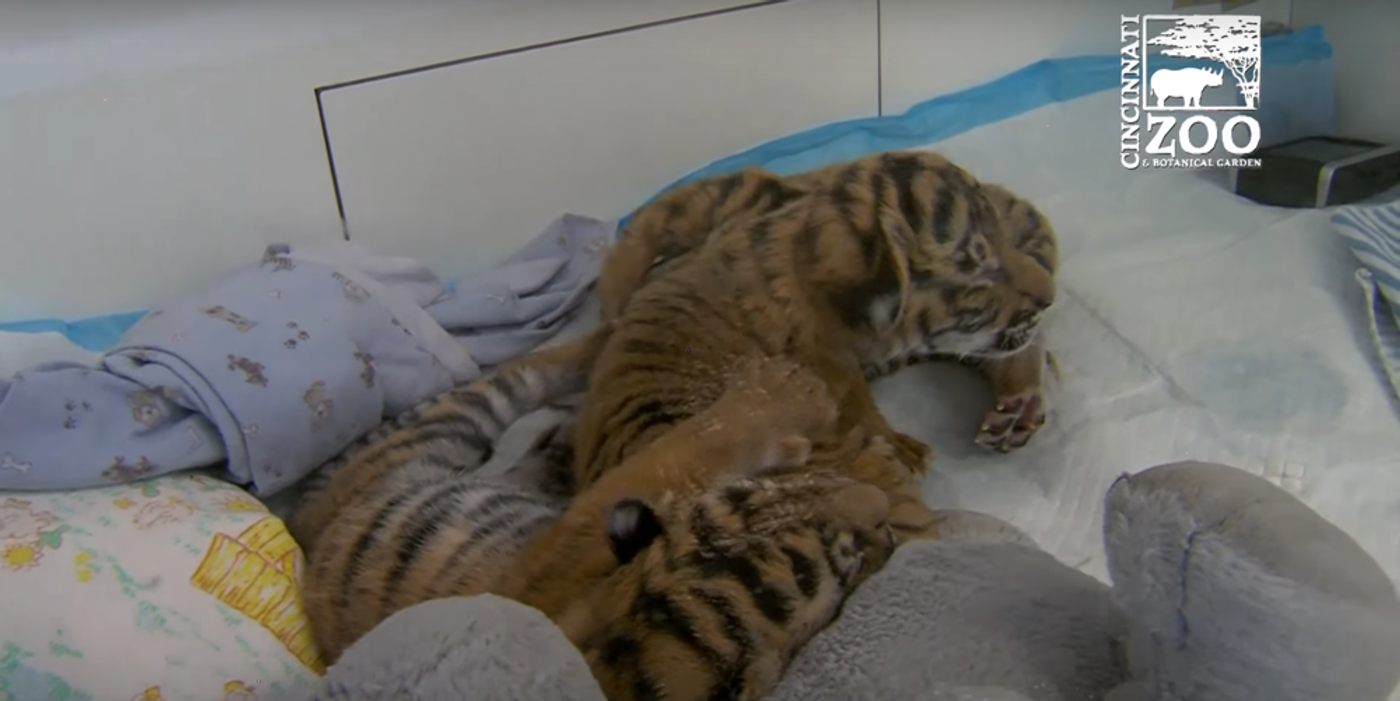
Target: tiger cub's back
458	428
682	219
429	531
402	518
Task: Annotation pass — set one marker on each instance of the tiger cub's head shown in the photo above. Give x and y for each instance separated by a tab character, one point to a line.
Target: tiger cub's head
716	592
951	266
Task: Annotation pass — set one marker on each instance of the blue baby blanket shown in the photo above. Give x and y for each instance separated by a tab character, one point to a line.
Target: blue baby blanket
281	363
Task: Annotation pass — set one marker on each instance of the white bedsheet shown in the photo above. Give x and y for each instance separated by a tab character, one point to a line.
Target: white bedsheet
1190	324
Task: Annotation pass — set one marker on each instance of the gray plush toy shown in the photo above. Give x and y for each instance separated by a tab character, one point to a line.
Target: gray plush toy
1225	588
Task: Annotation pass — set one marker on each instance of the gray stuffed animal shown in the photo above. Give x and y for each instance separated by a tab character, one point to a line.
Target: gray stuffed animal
1225	588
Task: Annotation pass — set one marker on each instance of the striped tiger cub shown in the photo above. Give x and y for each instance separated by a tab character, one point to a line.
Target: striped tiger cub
684	219
717	592
456	430
408	521
699	566
400	517
845	270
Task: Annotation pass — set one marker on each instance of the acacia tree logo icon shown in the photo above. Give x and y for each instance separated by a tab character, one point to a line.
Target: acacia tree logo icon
1232	41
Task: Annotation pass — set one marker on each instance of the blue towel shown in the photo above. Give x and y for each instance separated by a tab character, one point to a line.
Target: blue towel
1373	234
283	362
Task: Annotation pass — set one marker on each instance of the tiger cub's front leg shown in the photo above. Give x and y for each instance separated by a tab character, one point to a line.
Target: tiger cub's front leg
874	460
848	385
1019	407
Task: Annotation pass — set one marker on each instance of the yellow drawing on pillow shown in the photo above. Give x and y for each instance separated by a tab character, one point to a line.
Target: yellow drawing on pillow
21	556
257	573
240	504
236	690
157	511
25	534
82	566
150	694
153	511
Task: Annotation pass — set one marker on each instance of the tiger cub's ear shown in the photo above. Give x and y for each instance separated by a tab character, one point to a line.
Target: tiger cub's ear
632	527
893	272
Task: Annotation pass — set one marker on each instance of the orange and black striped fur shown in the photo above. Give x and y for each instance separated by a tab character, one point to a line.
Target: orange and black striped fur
846	270
682	574
402	517
717	592
683	219
410	524
455	430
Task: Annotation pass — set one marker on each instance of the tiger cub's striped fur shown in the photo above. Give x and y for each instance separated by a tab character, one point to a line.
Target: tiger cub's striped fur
684	219
891	256
679	579
415	526
458	428
718	591
680	220
400	517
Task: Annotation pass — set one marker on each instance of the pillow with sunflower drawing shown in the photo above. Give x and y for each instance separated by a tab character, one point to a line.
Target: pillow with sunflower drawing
178	588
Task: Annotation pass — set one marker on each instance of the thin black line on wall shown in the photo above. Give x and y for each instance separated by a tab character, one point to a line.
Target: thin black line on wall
330	160
879	61
321	112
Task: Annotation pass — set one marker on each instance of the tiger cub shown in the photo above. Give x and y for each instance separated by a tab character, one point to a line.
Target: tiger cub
683	219
894	255
456	430
684	575
400	517
412	523
716	592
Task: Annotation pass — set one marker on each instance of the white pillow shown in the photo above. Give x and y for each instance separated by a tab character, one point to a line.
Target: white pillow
177	588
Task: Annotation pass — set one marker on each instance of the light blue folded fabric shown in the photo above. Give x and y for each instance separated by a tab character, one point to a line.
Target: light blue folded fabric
502	313
282	362
1373	234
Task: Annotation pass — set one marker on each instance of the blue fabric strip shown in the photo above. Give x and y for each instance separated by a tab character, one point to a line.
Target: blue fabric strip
1039	84
96	333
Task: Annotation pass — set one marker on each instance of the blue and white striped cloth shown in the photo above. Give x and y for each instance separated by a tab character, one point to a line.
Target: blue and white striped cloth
1373	234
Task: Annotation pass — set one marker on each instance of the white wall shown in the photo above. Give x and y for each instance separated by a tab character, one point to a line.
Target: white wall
929	48
146	149
450	166
1365	37
146	146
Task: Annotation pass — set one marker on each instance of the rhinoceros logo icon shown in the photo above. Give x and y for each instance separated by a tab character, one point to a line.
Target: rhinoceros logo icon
1185	83
1230	42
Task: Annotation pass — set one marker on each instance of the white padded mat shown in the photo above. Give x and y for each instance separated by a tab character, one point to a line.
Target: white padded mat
1191	324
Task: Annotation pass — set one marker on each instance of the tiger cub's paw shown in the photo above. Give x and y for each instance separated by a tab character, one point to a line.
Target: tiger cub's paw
911	452
1012	421
789	451
902	449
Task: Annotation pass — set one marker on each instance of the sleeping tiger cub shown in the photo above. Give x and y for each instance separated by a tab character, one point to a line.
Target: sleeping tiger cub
399	517
717	591
683	219
410	522
456	430
894	256
699	566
